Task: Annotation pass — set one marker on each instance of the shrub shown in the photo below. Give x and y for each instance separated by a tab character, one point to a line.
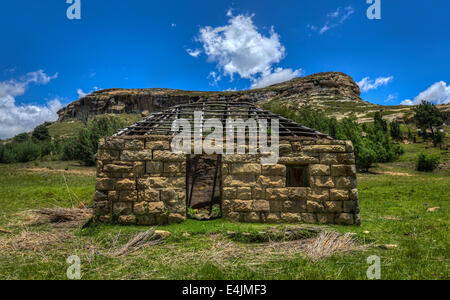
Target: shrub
396	134
41	134
25	152
20	138
427	163
84	145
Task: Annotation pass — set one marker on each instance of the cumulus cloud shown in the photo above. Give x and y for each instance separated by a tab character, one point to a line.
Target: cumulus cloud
240	49
367	84
82	94
194	53
279	75
16	119
438	93
334	19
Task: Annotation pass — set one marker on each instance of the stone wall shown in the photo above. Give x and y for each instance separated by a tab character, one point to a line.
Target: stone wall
256	193
140	181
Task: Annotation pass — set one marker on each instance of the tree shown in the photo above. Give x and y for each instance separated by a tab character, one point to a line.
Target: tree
380	124
41	134
428	117
396	133
20	138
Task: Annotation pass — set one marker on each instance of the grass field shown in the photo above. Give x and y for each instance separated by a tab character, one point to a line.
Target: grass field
394	200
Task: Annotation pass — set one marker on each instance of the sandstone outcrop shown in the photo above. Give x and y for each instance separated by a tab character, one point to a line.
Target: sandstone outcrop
330	86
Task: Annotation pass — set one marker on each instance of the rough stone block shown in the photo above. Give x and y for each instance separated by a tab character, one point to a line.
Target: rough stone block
242	205
176	182
319	170
169	195
333	206
125	185
353	194
133	155
152	183
323	182
274	170
299	193
100	196
122	208
339	195
244	193
229	193
148	195
147	220
314	207
249	169
252	217
128	196
178	167
239	158
343	170
291	217
157	145
345	182
320	194
285	149
345	159
273	218
127	220
133	145
258	193
325	218
176	218
277	194
276	206
108	155
141	208
116	168
104	184
139	168
325	148
261	205
350	206
345	219
329	158
271	182
113	196
238	181
168	156
156	207
294	206
309	218
300	159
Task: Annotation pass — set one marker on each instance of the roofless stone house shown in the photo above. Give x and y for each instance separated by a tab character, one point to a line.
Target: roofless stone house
140	180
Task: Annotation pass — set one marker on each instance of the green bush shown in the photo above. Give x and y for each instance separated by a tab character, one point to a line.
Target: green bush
41	134
84	145
427	163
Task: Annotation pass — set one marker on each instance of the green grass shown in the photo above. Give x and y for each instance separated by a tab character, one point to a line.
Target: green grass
393	209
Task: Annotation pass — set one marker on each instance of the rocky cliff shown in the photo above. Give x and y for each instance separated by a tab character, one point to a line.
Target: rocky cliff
327	88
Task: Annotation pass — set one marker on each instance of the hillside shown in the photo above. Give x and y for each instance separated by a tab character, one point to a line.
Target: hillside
333	93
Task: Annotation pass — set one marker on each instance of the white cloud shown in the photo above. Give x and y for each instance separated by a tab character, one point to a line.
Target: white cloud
438	93
334	19
280	75
215	77
17	119
82	94
390	97
173	25
367	84
194	53
238	48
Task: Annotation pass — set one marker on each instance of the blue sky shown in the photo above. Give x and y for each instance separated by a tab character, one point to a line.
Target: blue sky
47	60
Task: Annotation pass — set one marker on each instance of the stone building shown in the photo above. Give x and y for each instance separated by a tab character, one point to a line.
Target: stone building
140	180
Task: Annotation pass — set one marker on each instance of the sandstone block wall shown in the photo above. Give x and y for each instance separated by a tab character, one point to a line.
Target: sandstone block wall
140	181
256	193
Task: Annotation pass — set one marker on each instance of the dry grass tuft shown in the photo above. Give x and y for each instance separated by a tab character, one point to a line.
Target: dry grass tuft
139	241
35	241
60	217
328	243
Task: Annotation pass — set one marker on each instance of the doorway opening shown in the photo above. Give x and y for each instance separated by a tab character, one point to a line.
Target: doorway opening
203	188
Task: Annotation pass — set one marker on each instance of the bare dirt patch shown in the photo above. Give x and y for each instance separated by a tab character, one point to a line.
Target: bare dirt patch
60	217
